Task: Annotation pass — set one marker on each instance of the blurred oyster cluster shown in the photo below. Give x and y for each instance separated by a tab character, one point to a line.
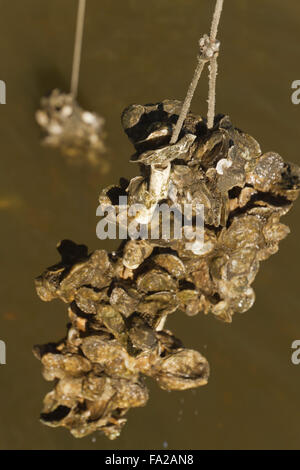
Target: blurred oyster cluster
119	302
77	133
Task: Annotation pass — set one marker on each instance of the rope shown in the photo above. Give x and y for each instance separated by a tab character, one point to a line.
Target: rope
78	47
213	66
188	99
213	72
209	51
216	20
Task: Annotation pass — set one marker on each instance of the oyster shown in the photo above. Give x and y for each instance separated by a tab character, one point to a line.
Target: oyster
167	154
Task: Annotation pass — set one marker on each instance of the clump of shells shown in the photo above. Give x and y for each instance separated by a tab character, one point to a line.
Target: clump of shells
118	303
79	134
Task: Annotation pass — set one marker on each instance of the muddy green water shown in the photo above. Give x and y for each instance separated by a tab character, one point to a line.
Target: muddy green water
144	51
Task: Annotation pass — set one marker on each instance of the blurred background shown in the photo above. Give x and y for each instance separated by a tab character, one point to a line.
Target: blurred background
138	51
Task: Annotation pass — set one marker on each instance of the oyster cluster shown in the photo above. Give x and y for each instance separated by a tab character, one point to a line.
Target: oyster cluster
119	302
77	133
114	339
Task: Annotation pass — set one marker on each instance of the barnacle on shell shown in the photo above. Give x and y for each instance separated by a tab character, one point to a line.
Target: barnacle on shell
119	302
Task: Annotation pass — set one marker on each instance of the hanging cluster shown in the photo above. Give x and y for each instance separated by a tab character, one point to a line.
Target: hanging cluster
119	302
77	133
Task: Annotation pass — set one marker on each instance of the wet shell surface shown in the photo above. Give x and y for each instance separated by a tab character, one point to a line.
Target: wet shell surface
119	303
